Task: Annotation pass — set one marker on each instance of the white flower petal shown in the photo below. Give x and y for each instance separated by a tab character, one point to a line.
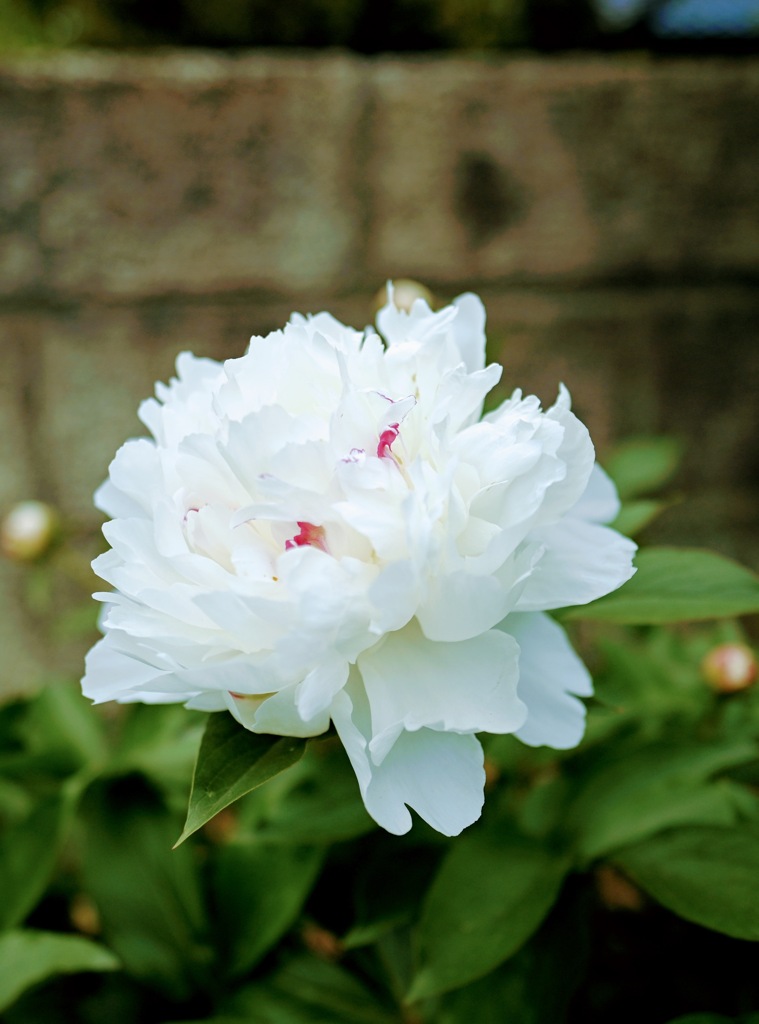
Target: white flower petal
461	606
109	673
580	562
440	775
468	330
599	503
412	682
276	714
551	676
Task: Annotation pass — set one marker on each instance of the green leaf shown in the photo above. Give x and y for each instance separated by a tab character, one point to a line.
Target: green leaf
706	1018
28	854
706	875
639	794
271	882
29	957
716	1018
643	464
636	515
161	742
486	901
231	762
309	991
64	728
148	896
536	985
677	585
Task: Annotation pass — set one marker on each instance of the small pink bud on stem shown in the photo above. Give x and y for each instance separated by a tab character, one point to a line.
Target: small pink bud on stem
730	668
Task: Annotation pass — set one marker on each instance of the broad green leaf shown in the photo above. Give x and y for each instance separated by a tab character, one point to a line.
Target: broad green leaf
369	934
706	875
28	854
661	786
309	991
64	728
148	896
636	515
160	742
716	1018
642	464
534	986
259	890
29	957
677	585
485	902
707	1018
231	762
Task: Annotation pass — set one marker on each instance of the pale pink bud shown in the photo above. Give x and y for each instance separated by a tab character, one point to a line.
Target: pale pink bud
28	530
405	294
730	668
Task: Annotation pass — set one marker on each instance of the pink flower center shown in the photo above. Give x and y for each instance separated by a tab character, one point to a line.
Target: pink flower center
386	439
309	534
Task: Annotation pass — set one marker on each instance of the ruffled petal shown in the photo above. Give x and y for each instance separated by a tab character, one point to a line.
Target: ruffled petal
110	674
599	503
469	330
412	682
276	714
581	561
551	677
439	775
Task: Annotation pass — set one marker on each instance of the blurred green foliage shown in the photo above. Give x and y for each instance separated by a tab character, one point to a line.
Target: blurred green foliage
362	25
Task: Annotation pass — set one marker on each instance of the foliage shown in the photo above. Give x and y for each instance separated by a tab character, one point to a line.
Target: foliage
286	905
367	26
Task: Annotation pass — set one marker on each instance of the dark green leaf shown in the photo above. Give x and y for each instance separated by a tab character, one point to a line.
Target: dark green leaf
706	1018
643	464
706	875
29	957
259	891
64	727
656	788
534	986
486	901
162	743
677	585
231	762
309	991
148	896
28	854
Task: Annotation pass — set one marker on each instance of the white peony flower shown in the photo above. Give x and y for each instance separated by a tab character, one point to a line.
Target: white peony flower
325	531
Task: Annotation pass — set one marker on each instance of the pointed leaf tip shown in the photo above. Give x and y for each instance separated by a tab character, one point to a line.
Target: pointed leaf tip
231	762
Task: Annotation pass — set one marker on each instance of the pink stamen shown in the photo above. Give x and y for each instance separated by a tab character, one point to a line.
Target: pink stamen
309	534
386	439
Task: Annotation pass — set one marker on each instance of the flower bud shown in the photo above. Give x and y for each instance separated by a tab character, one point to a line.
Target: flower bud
84	914
616	891
28	530
322	943
405	294
729	668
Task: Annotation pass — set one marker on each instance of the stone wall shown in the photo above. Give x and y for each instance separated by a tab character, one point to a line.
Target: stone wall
606	210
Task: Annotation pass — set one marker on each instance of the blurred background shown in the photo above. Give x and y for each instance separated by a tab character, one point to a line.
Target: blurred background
182	175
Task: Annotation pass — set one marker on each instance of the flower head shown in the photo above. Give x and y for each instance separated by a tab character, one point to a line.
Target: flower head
325	531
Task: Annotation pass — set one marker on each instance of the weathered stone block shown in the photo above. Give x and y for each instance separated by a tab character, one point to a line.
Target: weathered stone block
170	174
576	170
